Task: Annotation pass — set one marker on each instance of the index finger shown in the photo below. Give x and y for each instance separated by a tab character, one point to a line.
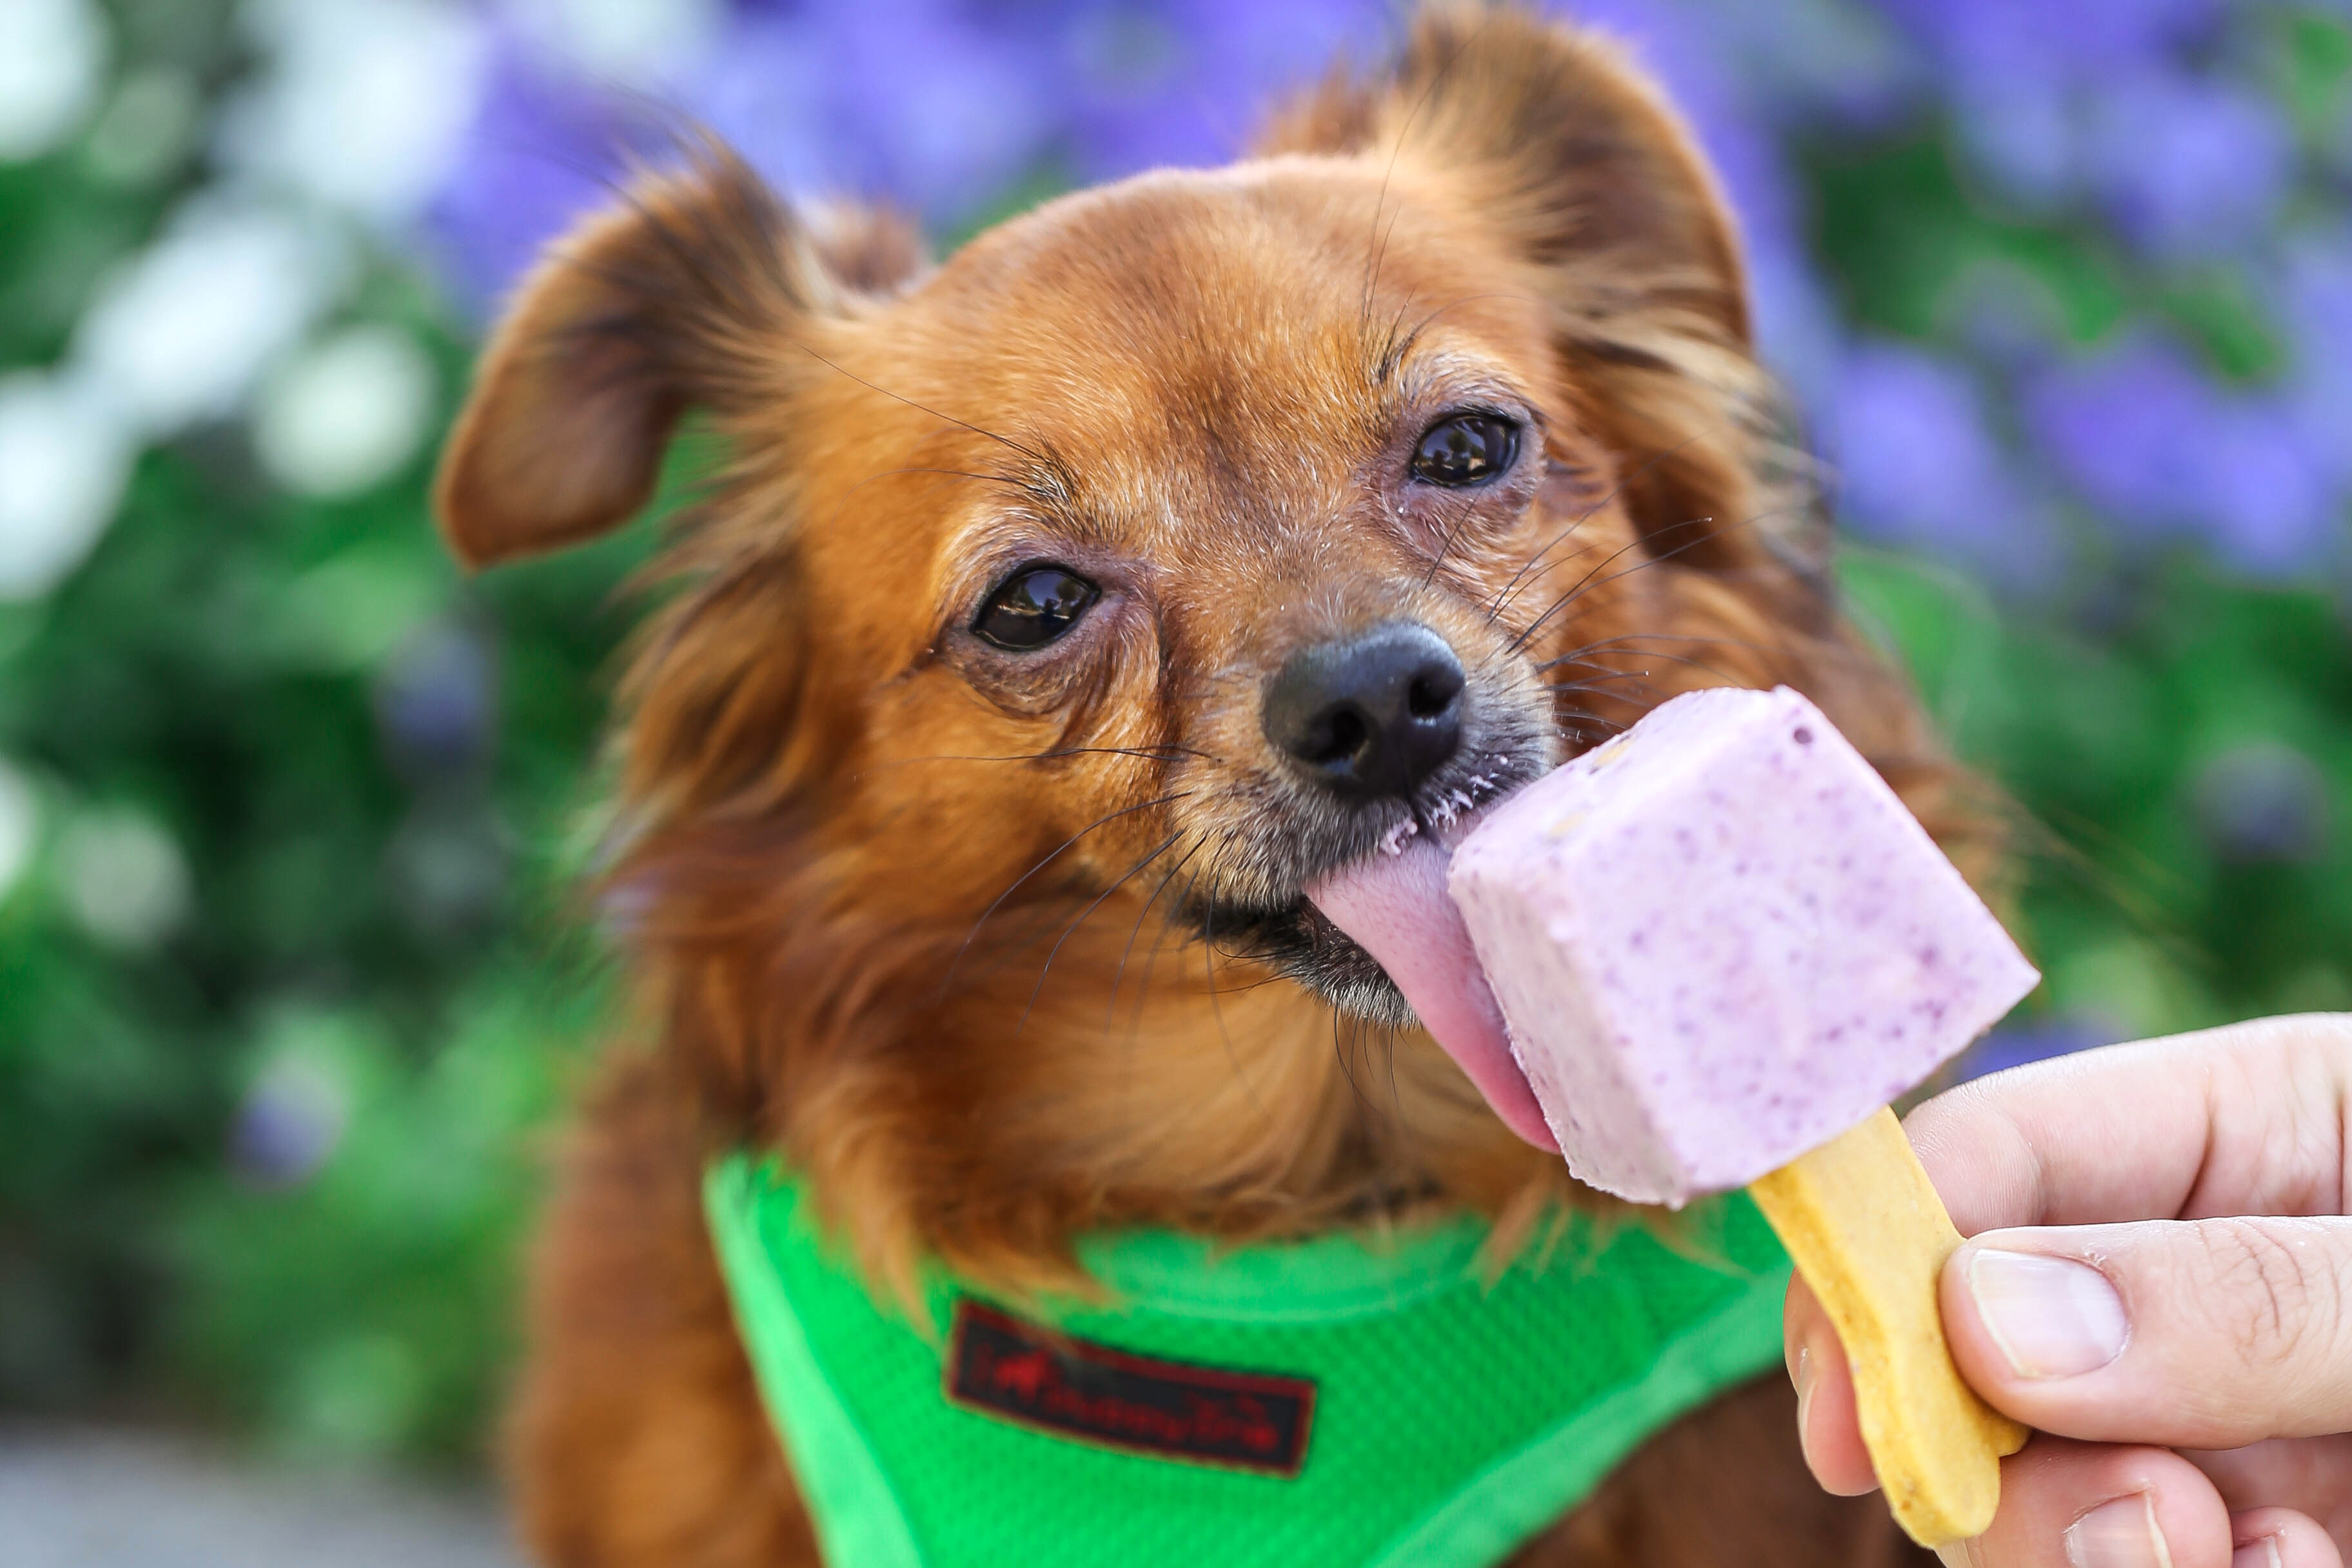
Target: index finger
2244	1120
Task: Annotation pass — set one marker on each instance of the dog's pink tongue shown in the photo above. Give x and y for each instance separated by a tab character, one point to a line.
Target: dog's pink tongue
1397	910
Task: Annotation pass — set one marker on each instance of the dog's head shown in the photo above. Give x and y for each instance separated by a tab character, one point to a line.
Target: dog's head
1080	602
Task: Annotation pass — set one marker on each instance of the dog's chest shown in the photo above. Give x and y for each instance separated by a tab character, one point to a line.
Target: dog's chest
1344	1401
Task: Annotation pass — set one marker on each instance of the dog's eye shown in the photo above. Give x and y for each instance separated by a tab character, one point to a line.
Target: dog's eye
1466	449
1034	606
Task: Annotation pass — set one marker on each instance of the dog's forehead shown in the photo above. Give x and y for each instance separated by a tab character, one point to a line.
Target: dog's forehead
1188	342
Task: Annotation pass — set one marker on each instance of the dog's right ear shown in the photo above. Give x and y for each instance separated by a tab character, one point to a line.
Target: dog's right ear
689	294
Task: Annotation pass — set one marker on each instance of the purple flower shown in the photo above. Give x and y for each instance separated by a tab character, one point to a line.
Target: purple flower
922	102
1991	41
437	704
2265	504
2020	132
2016	1044
2314	295
539	155
2263	802
1906	433
2019	71
2187	166
1185	82
289	1123
2121	426
2161	451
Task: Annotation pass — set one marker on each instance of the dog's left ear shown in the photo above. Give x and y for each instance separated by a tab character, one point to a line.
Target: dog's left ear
1553	136
693	292
1551	139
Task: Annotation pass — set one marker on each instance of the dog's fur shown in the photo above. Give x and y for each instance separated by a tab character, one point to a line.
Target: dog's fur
1004	947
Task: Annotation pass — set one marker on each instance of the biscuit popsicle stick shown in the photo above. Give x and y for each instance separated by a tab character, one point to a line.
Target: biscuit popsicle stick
1870	1235
1709	954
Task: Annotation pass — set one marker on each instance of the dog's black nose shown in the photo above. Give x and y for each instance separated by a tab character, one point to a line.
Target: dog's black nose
1372	716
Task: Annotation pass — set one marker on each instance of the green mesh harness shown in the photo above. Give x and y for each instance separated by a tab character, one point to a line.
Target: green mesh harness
1349	1400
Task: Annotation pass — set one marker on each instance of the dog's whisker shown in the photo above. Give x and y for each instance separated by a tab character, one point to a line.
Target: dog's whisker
1589	583
1592	580
1142	916
1067	932
1445	545
1583	584
1209	970
1146	754
1693	638
947	981
1697	664
1499	605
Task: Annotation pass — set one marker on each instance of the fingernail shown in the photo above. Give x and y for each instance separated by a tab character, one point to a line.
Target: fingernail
2262	1553
2119	1534
2051	1317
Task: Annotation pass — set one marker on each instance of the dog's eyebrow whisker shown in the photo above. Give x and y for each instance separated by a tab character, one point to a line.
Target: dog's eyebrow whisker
1036	456
1067	932
949	979
1398	348
1377	257
842	504
1391	349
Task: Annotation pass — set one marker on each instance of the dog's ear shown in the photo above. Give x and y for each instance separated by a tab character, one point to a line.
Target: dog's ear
1552	136
689	294
1549	138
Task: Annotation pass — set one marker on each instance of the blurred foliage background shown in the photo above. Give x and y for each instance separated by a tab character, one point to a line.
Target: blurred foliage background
290	987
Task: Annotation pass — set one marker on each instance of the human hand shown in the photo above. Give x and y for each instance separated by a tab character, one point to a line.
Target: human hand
2175	1321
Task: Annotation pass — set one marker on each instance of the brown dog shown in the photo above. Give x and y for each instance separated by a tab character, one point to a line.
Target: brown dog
969	785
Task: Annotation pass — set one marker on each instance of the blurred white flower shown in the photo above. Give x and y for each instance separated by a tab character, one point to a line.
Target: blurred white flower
52	63
346	412
123	878
365	102
65	453
635	43
20	825
180	332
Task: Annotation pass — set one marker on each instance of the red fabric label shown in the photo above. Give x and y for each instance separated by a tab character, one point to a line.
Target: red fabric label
1044	1378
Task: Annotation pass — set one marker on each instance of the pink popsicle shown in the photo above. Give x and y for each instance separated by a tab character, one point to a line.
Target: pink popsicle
1720	940
1711	952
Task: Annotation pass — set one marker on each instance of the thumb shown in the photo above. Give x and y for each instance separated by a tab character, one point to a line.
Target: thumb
2194	1333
